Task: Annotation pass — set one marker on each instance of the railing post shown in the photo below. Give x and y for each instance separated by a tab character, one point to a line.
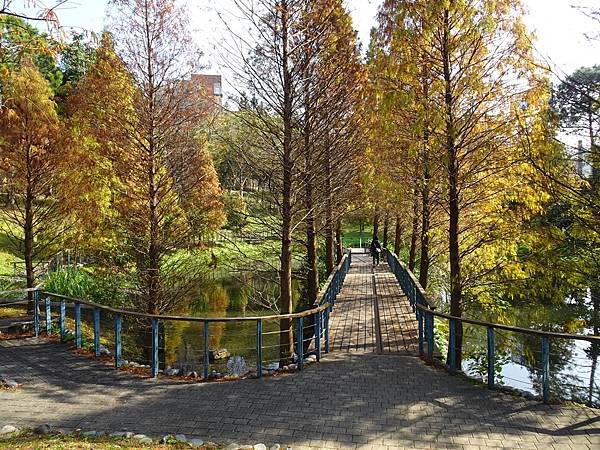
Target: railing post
452	345
546	369
36	313
259	345
300	343
429	336
48	316
491	363
61	319
118	342
97	332
78	325
318	334
154	360
327	329
421	337
206	355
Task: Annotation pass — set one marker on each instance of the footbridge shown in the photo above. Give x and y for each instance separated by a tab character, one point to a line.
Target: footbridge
367	372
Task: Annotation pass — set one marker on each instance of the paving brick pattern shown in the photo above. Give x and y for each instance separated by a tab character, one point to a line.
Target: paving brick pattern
350	400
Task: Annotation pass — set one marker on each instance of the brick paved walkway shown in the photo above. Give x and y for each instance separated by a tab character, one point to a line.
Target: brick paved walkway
350	400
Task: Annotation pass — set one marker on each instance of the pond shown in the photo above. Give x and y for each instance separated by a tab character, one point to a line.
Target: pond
181	343
574	374
240	295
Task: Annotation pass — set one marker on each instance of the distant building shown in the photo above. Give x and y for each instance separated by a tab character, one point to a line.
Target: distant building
211	84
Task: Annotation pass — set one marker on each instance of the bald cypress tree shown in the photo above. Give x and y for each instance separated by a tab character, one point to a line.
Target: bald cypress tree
33	156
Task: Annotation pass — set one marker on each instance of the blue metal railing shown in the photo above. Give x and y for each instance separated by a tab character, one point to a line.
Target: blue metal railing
425	313
409	284
417	297
52	303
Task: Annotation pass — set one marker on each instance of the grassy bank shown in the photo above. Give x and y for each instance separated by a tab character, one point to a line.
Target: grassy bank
8	255
32	441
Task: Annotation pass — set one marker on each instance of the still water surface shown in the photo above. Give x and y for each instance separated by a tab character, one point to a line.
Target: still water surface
573	363
245	296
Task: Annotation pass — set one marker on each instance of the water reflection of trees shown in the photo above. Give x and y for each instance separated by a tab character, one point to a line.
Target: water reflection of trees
237	295
184	341
570	362
475	351
593	392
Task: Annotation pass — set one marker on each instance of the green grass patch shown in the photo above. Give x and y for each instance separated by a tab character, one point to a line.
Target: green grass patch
11	284
239	254
352	235
8	254
77	282
12	311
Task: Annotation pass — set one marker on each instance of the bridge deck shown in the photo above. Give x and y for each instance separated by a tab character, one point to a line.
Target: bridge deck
371	312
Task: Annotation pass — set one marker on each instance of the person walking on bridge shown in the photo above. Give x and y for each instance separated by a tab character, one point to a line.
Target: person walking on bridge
375	250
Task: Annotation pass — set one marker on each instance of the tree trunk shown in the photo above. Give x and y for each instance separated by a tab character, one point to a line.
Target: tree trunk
453	188
595	289
414	234
376	224
153	279
424	261
153	269
425	220
29	242
595	325
329	244
311	255
10	198
594	347
385	230
398	236
285	274
154	251
594	157
592	384
312	279
339	250
286	342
